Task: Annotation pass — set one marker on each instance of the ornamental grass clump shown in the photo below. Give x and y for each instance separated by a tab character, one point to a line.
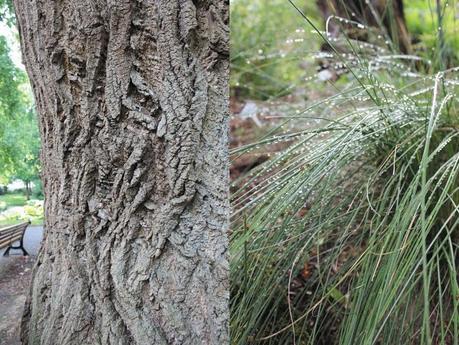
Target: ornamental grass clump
350	234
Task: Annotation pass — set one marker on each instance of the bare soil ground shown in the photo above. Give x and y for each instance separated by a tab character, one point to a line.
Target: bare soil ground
15	273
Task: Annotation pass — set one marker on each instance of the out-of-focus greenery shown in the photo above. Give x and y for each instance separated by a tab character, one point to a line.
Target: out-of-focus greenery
6	12
423	23
11	101
13	199
37	191
19	137
34	208
269	41
22	138
14	208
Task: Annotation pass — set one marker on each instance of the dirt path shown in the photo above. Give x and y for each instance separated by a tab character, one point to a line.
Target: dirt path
15	273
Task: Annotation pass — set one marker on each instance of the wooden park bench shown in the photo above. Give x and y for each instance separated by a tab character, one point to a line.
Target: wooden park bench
12	234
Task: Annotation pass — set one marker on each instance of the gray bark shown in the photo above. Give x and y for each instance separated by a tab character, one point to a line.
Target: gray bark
133	114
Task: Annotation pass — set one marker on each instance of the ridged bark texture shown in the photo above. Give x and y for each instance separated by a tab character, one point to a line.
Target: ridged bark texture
132	98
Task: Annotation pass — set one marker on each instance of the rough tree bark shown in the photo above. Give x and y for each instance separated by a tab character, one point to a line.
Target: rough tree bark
132	102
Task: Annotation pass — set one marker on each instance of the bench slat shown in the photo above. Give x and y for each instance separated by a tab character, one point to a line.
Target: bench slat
10	241
10	229
13	230
16	226
11	234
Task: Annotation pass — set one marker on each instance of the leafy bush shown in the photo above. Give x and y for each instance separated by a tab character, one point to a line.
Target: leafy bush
2	205
34	209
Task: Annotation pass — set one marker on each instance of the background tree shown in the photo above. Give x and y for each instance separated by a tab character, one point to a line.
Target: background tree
23	138
7	12
10	105
19	137
132	106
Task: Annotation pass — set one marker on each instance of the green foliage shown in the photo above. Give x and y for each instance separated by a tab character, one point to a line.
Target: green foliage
423	23
34	209
38	190
10	103
11	78
265	58
7	12
2	205
19	137
23	139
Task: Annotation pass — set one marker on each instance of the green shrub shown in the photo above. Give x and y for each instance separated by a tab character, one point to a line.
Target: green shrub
34	209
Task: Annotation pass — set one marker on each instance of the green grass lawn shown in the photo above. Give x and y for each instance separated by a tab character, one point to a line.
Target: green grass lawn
13	199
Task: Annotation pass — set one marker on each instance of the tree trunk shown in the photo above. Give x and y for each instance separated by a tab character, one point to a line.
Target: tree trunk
132	102
27	190
389	17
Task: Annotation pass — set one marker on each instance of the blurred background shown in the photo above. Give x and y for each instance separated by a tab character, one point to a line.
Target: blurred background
21	196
